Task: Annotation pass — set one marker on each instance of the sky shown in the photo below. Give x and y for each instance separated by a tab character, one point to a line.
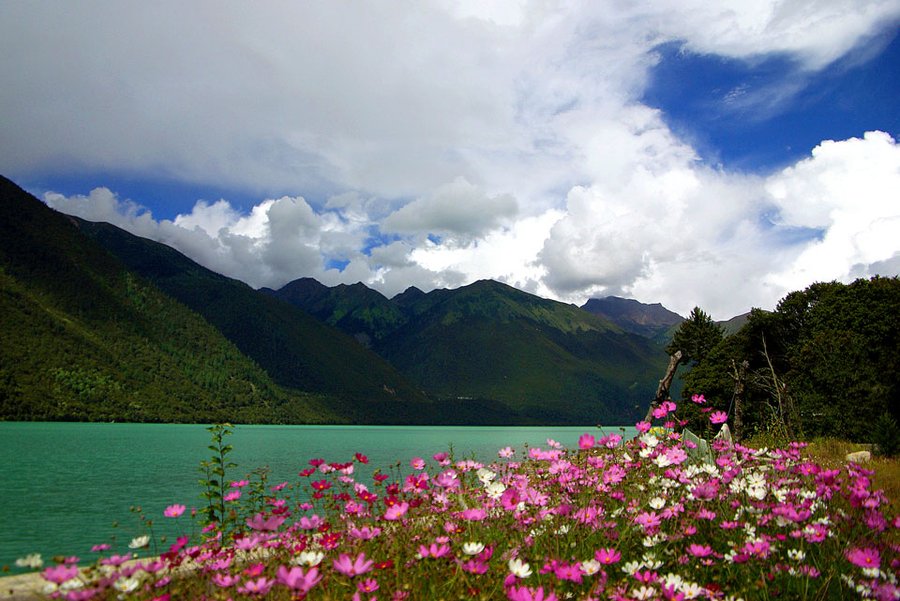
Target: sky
693	153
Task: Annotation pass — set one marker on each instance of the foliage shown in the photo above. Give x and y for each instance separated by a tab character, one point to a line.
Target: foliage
610	519
214	471
695	337
822	364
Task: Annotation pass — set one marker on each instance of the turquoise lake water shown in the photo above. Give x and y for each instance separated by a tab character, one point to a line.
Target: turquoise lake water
64	485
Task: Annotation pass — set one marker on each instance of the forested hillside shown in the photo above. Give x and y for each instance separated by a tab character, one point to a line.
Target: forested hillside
824	362
82	338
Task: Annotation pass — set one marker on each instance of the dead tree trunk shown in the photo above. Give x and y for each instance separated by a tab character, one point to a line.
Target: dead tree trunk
740	377
662	391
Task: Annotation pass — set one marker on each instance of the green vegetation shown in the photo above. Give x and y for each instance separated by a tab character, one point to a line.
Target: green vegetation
824	363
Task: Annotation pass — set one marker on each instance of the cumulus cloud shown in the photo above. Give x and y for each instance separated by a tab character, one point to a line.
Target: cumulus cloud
458	209
514	132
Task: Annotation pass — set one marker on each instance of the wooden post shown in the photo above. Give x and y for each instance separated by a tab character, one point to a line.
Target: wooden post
662	391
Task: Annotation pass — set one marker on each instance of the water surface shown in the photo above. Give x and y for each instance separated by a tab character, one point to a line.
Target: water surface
63	486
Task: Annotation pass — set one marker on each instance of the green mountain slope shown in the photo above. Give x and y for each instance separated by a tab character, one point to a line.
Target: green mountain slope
355	309
83	338
295	349
633	316
545	360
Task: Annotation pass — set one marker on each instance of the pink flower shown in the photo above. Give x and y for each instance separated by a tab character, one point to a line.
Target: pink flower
699	550
234	495
60	574
475	514
648	520
395	512
434	550
505	452
296	579
260	586
718	417
642	427
607	556
586	441
417	463
525	593
867	557
261	522
698	398
369	585
173	511
355	567
225	580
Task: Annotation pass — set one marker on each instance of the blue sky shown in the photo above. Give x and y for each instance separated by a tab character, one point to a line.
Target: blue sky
690	153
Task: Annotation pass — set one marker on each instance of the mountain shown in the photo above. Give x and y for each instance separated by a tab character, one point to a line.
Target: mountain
489	349
356	309
633	316
295	349
83	338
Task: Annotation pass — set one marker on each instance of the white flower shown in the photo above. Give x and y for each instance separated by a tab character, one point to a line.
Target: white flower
564	529
631	567
756	492
691	590
590	567
519	568
495	490
309	558
139	542
662	461
672	581
473	548
485	475
34	560
127	585
797	555
645	592
649	561
657	502
650	440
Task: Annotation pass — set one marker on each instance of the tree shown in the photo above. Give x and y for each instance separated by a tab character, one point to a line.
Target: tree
696	337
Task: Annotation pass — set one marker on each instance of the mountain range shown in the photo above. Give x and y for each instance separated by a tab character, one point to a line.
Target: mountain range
100	324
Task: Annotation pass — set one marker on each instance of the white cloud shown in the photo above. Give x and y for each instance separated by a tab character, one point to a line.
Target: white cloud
458	209
560	180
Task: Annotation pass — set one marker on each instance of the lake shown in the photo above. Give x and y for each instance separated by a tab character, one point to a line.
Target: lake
63	486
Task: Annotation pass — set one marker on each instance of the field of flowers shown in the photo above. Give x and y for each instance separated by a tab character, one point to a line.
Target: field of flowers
605	518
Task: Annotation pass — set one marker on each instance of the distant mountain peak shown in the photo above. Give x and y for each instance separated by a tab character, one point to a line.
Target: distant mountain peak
647	320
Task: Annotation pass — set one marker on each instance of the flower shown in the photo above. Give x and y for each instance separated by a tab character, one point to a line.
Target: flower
309	558
519	568
59	574
139	542
718	417
698	398
506	452
34	560
607	556
586	441
260	586
395	512
473	548
298	580
355	567
173	511
525	593
865	557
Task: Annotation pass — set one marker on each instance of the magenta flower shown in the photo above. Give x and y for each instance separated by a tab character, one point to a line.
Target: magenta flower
355	567
607	556
395	512
867	557
173	511
261	522
525	593
297	579
434	550
225	580
718	417
369	585
586	441
59	574
698	398
417	463
642	427
260	586
700	550
234	495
